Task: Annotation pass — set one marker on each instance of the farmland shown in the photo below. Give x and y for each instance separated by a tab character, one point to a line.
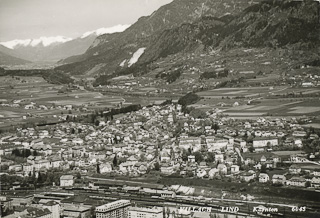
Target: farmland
252	102
33	100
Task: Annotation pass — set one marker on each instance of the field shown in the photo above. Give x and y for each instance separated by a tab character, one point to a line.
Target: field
17	92
253	102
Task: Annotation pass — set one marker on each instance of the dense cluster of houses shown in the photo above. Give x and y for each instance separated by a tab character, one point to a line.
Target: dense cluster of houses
166	139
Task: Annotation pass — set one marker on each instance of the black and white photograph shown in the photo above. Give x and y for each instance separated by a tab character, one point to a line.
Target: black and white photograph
159	108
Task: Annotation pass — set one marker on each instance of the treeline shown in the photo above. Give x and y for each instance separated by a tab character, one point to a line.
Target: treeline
135	70
97	115
188	99
50	75
215	74
24	153
170	77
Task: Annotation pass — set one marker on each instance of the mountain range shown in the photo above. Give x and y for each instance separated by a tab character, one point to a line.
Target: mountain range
109	51
192	25
186	27
52	49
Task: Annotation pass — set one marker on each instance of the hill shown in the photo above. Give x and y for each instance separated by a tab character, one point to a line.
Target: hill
7	59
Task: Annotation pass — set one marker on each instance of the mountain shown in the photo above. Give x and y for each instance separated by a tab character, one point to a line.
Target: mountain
268	24
7	57
111	50
49	49
53	49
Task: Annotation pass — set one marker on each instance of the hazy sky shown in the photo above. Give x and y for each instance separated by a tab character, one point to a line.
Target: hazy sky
23	19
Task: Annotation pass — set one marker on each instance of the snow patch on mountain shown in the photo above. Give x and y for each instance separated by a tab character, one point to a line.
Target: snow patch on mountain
135	57
101	31
44	41
122	63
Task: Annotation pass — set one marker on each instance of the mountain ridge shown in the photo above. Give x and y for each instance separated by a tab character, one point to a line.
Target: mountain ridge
113	50
293	25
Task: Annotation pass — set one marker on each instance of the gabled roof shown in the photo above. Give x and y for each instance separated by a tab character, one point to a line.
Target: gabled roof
66	177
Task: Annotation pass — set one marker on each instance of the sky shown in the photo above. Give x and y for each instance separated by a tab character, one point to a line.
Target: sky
31	19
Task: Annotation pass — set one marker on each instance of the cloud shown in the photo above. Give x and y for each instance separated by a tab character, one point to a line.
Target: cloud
101	31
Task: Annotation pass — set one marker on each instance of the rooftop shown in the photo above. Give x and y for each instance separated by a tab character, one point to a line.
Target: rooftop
113	205
146	210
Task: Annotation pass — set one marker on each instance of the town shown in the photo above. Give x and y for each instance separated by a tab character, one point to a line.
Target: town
160	151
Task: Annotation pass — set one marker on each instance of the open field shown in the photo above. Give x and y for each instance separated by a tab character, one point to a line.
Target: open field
18	92
253	102
241	92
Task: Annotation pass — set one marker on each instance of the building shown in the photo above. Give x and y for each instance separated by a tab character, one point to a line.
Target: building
5	203
235	169
78	211
137	212
54	207
278	179
32	212
116	209
263	177
21	200
296	181
66	180
264	142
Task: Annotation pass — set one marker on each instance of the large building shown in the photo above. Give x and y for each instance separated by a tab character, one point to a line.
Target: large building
138	212
77	211
116	209
264	142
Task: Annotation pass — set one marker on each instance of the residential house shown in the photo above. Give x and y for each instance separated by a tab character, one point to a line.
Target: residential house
278	179
191	158
296	181
66	180
263	178
217	145
105	168
247	176
164	156
298	158
222	168
219	158
167	169
235	169
294	169
315	182
27	169
213	172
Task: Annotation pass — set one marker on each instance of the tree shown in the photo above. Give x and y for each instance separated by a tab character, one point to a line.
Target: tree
263	168
308	184
78	176
197	113
198	156
184	155
115	161
97	122
157	166
98	168
210	157
188	99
